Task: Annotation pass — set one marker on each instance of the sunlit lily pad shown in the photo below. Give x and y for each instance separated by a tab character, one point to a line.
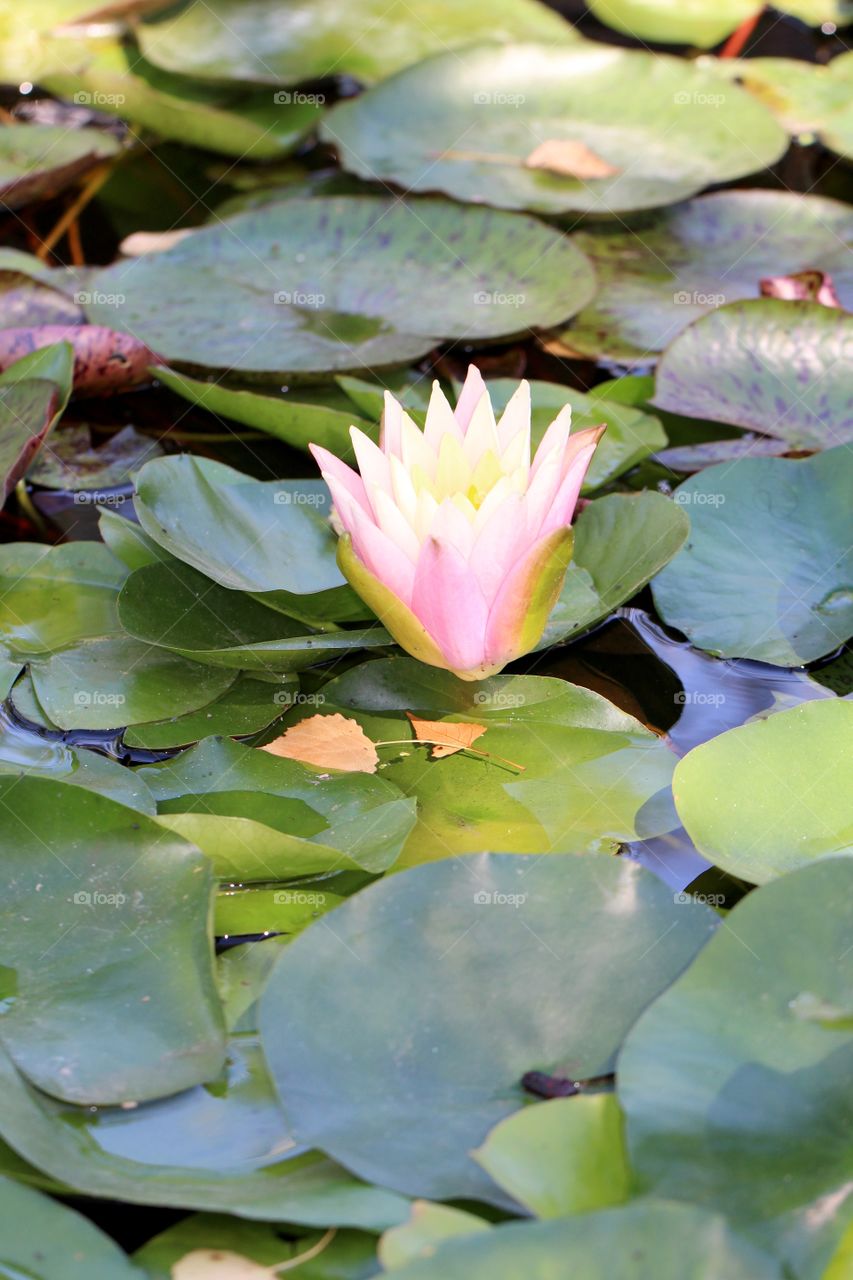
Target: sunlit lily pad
564	770
40	160
450	955
326	284
656	1239
703	22
658	277
735	1082
773	795
767	572
781	368
106	927
43	1240
272	43
465	123
807	98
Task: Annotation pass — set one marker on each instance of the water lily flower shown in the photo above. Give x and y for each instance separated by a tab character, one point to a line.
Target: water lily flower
457	541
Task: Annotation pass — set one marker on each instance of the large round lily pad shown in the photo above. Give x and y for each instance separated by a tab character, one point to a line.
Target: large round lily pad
471	123
425	982
43	1240
807	98
308	286
767	572
773	795
106	930
781	368
40	160
563	771
736	1082
658	276
703	22
275	42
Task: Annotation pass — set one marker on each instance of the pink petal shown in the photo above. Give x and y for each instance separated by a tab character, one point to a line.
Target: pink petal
516	416
389	429
440	420
563	507
473	389
498	545
377	552
372	464
554	438
452	525
511	607
347	479
450	604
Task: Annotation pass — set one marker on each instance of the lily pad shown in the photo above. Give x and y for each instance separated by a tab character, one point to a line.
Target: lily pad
43	1240
248	911
771	796
467	123
808	99
305	417
659	276
704	22
247	707
53	597
563	771
768	570
267	43
655	1239
282	291
449	955
40	160
775	367
34	392
734	1090
621	542
106	928
73	462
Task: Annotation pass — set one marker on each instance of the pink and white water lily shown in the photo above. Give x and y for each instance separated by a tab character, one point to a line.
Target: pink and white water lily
456	539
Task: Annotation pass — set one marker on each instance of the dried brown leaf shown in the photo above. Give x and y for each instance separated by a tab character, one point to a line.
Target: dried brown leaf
329	742
445	739
570	160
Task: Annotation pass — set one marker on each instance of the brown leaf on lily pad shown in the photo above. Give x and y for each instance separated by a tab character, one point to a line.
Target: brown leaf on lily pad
570	159
105	362
444	738
802	286
220	1264
327	742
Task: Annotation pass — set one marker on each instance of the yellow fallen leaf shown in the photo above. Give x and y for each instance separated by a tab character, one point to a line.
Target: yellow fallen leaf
445	739
220	1264
569	159
329	742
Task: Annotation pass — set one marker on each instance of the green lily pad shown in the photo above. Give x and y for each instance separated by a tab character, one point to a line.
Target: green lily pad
775	367
245	911
43	1240
808	99
34	392
106	928
304	417
450	954
179	609
127	540
768	570
237	1154
736	1099
429	1225
561	1157
260	817
704	22
592	776
657	277
466	121
249	124
264	537
630	437
53	597
117	681
38	161
771	796
656	1240
621	542
320	285
268	43
248	707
